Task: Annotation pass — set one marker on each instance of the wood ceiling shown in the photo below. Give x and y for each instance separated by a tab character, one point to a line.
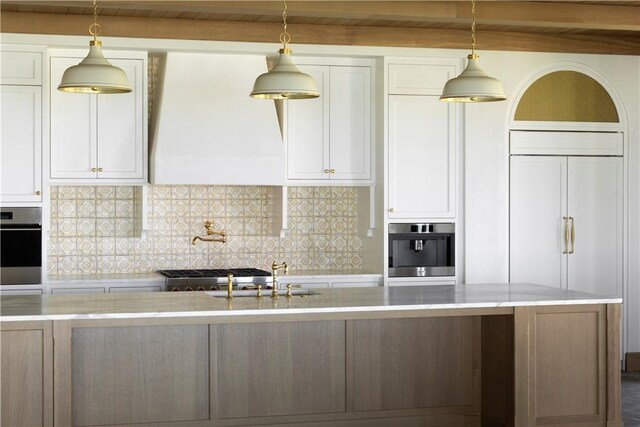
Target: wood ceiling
610	27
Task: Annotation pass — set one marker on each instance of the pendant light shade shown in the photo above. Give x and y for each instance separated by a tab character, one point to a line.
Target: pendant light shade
285	81
473	84
94	74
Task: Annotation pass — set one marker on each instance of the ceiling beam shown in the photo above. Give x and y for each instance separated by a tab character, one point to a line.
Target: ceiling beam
543	14
183	29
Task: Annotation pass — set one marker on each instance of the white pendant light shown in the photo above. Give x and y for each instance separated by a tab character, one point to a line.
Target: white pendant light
94	74
473	84
284	81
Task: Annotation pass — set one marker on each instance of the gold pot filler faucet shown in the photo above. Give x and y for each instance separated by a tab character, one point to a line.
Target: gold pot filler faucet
208	225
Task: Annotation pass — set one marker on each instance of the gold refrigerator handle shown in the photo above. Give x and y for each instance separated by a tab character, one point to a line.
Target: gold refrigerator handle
573	235
566	235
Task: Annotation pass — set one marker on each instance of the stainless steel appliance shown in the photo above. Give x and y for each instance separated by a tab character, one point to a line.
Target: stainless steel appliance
20	246
214	279
420	250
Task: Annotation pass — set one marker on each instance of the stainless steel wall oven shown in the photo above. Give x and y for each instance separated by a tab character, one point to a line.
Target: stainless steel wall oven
422	250
20	246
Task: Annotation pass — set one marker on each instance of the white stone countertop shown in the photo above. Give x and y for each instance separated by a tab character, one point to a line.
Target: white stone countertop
325	301
157	277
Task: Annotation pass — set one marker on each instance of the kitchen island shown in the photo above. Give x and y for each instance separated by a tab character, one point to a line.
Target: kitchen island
491	355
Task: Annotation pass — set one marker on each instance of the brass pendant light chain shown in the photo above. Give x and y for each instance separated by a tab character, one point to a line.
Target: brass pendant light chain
285	38
473	27
95	29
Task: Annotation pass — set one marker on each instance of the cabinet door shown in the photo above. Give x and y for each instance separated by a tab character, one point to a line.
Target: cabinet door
421	157
120	127
21	143
26	371
414	363
350	123
595	204
538	200
20	68
291	368
308	131
73	127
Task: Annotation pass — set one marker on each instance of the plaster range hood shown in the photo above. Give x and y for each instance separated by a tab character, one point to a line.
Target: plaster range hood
206	129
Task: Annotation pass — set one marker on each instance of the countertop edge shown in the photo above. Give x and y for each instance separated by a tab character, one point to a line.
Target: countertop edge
309	311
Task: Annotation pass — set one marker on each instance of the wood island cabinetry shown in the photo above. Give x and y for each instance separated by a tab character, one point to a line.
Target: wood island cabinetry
518	365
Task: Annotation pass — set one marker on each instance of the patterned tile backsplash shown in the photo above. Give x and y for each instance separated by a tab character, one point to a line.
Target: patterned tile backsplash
93	229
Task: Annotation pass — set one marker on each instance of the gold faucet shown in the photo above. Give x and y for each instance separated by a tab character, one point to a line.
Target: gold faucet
230	286
274	274
210	232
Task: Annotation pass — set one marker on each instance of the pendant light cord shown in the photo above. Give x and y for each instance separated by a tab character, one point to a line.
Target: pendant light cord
473	27
95	29
285	38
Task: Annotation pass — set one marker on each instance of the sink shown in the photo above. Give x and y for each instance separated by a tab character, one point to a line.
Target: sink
266	293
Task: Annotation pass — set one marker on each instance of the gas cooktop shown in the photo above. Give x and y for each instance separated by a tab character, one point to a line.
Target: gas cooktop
218	272
214	279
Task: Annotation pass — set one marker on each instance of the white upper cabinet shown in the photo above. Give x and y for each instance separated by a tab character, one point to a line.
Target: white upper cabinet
422	140
329	138
100	138
21	130
421	157
21	143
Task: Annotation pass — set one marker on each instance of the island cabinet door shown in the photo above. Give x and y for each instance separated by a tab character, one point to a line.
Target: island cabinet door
423	363
129	375
279	370
26	372
567	365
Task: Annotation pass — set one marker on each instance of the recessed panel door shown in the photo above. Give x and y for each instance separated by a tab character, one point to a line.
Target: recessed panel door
538	204
120	127
308	130
421	157
21	143
73	127
350	127
595	210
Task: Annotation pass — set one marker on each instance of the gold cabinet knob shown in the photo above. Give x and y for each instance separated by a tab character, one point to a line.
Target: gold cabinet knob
93	169
333	171
326	171
37	193
99	169
391	210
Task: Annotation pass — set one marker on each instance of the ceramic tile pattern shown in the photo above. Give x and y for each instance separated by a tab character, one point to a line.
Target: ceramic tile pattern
92	229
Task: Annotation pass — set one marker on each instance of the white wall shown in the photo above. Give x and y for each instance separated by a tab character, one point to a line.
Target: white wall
487	172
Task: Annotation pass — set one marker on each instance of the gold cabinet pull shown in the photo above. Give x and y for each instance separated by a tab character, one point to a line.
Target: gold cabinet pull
93	169
333	171
99	169
566	235
37	193
326	171
391	210
573	235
